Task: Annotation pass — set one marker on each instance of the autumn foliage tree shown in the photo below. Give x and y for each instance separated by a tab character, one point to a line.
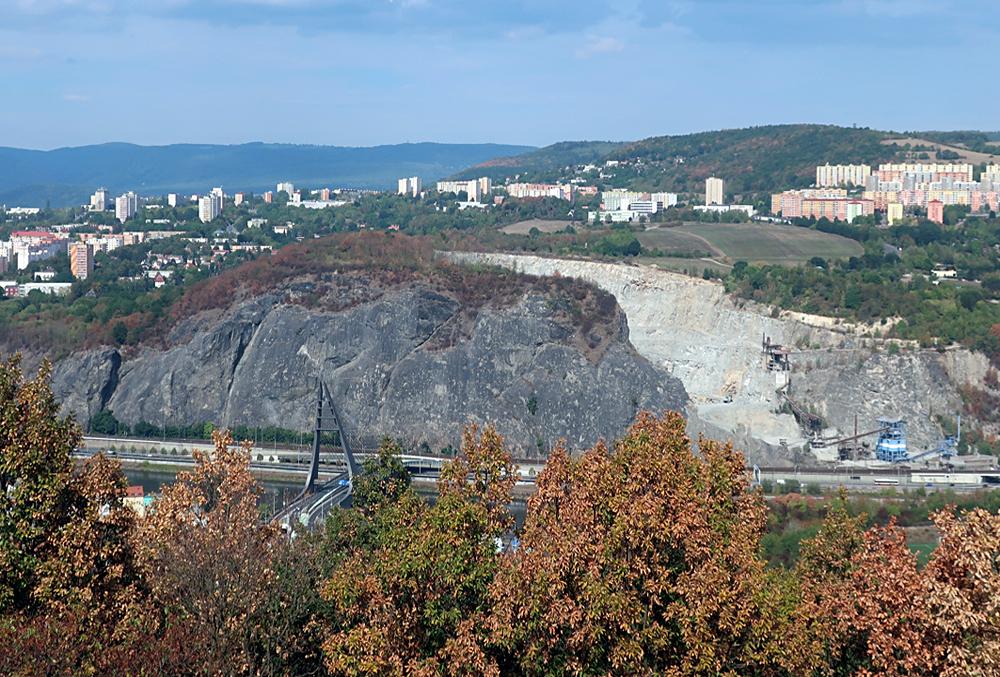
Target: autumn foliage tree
71	596
209	556
866	608
411	594
640	560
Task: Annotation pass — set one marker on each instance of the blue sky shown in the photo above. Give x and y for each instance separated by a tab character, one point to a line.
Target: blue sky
365	72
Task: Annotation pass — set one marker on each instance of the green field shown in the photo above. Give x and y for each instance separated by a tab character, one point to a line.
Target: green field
543	225
753	242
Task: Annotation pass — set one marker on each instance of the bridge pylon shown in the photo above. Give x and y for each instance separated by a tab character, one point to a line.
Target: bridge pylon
328	420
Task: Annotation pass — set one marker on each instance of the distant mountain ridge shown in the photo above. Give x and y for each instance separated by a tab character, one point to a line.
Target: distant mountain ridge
66	176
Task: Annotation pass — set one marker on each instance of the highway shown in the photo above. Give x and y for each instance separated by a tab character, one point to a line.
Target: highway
313	509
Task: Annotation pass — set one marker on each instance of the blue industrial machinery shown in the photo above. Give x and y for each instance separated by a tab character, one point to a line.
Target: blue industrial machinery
891	444
946	448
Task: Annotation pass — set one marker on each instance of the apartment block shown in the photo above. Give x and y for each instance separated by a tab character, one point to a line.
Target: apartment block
81	260
411	186
895	213
842	175
715	191
935	211
539	190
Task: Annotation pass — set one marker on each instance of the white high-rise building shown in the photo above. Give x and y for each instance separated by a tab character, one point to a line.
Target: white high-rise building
209	207
238	199
715	191
286	186
173	199
126	206
473	188
833	176
99	200
411	186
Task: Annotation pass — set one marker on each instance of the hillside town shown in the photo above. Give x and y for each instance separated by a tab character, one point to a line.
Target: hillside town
887	195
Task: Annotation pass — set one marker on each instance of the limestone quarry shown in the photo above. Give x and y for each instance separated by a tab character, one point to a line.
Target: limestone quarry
713	343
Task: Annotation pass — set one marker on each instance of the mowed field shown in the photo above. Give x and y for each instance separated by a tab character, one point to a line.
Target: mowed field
753	242
543	225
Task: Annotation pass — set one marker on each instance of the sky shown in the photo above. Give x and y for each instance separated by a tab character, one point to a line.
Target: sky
368	72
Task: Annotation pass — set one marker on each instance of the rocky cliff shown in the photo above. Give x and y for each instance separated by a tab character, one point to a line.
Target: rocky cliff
409	362
712	342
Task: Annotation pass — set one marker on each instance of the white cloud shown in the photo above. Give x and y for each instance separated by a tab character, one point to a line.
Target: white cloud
893	8
73	97
599	44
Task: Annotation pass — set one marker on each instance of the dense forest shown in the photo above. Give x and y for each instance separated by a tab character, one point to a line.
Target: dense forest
643	557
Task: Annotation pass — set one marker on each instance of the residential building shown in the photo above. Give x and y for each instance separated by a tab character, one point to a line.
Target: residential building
472	188
983	200
81	260
485	186
28	246
410	186
540	190
174	200
664	200
239	199
99	200
56	288
256	223
715	191
209	208
268	197
895	213
789	202
832	176
321	204
928	171
749	210
136	500
935	211
837	209
619	198
286	186
324	194
126	206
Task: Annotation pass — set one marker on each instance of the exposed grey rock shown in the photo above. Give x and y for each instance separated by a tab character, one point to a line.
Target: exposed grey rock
711	341
83	383
913	386
256	364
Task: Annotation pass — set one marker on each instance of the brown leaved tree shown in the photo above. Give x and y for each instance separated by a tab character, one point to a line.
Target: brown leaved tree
640	561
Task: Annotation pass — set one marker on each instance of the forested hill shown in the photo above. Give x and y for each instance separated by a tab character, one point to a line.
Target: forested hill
755	159
543	164
66	176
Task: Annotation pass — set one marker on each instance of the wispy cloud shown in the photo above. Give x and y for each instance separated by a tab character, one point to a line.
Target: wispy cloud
599	44
895	9
73	97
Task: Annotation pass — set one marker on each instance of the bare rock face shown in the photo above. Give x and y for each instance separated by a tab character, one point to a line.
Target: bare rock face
711	341
913	386
84	382
395	366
